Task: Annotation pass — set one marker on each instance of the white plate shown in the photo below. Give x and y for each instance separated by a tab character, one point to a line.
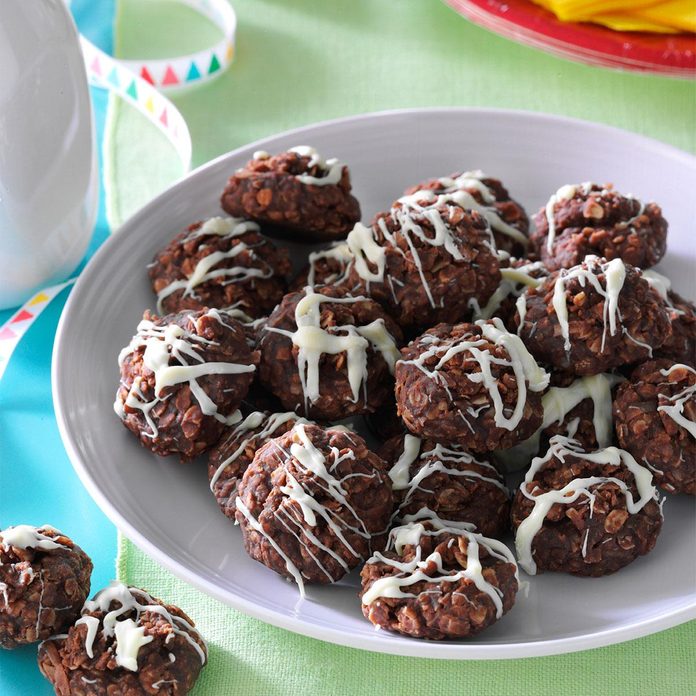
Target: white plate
167	509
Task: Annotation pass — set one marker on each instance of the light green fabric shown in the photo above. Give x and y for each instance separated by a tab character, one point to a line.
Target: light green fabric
300	61
250	658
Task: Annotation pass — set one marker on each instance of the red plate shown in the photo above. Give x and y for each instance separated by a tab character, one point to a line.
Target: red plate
530	24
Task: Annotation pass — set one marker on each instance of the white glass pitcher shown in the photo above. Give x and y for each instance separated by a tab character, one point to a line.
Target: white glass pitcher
48	172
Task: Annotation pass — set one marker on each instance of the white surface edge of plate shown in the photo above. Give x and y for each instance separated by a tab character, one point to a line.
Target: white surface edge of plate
686	157
403	646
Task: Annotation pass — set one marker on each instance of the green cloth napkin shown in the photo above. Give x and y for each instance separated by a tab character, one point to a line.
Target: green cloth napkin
251	658
300	61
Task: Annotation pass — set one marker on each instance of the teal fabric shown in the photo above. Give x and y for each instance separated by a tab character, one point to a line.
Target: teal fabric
37	482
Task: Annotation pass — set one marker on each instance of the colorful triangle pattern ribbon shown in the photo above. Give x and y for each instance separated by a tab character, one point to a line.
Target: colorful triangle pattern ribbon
12	331
140	82
172	73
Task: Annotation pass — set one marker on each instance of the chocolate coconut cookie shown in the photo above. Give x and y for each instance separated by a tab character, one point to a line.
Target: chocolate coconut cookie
584	513
183	376
297	191
655	413
490	198
330	266
314	504
438	580
221	262
592	317
44	579
329	356
229	459
126	643
587	219
680	346
475	385
429	259
448	481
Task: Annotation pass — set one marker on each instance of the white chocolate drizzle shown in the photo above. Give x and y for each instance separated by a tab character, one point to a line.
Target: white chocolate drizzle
364	247
158	684
210	268
332	168
463	184
24	536
129	639
675	410
513	282
399	473
339	252
662	285
528	374
244	433
659	283
610	290
128	633
412	572
162	344
558	402
565	193
313	341
307	458
560	448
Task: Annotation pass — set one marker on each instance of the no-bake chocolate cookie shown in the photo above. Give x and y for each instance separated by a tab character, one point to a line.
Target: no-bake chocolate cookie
584	513
593	317
438	580
297	192
448	481
126	643
183	376
329	356
44	579
429	259
588	219
490	198
655	413
314	504
475	385
220	262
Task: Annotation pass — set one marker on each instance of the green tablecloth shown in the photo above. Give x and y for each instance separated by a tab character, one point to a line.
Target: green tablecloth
302	61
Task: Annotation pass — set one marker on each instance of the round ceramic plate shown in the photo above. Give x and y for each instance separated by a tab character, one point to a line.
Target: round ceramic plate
167	509
533	25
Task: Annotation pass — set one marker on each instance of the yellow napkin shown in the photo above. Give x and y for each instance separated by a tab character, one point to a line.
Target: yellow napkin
668	16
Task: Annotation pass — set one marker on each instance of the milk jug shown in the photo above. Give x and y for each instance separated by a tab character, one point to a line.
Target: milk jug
48	173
